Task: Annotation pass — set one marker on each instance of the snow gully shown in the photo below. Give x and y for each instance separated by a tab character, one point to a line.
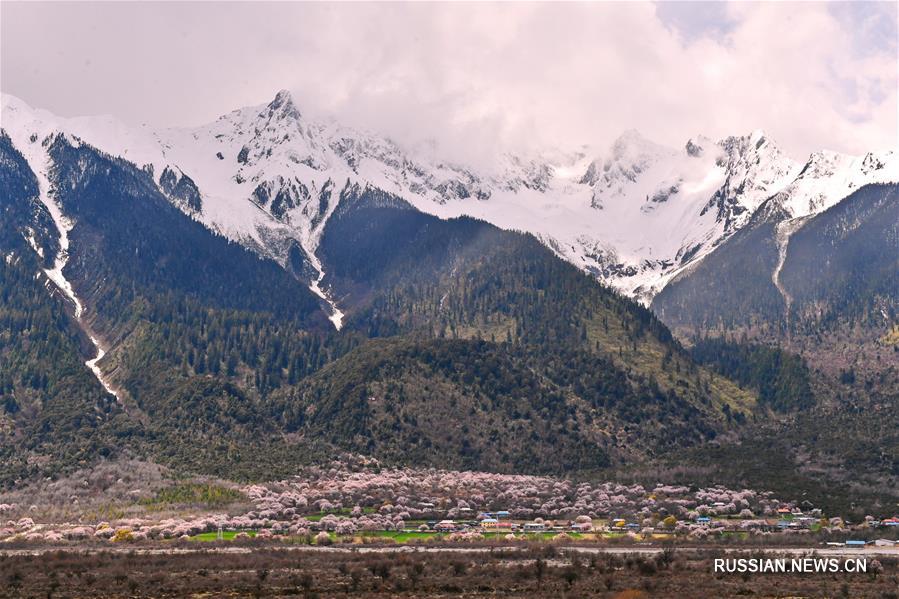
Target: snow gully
336	316
55	274
782	232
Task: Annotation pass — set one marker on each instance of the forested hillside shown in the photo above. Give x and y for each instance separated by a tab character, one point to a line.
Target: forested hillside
781	379
731	288
842	267
837	270
559	354
53	411
225	363
823	343
179	307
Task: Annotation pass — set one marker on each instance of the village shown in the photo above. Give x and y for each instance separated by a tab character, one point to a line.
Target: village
788	520
370	505
468	525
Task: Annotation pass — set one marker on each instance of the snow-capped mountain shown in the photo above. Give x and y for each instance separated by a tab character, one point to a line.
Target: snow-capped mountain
755	168
634	215
828	177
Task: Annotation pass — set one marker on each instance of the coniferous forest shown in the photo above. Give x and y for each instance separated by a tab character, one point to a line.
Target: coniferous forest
536	366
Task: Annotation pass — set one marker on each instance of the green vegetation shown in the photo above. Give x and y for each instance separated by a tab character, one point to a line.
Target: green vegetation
836	437
764	460
782	379
729	289
529	362
402	536
226	535
54	415
521	410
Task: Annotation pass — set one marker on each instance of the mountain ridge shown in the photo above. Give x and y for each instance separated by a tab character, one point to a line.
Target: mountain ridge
634	216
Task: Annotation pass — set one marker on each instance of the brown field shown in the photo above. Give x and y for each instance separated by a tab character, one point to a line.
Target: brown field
537	571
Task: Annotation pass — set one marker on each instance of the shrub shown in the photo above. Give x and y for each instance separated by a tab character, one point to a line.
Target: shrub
123	535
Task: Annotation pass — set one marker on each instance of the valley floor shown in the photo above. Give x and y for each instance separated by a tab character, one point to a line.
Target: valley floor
535	571
354	528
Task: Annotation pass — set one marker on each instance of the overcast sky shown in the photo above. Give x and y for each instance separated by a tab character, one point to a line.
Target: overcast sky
475	77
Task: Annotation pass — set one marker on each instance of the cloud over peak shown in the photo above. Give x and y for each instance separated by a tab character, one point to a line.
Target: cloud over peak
476	77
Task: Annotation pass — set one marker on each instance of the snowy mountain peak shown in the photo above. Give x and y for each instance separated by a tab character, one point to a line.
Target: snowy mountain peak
630	156
633	215
757	137
828	177
628	138
283	104
875	162
755	146
698	145
755	169
631	145
824	163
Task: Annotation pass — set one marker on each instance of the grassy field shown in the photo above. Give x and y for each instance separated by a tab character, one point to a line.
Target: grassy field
227	535
410	536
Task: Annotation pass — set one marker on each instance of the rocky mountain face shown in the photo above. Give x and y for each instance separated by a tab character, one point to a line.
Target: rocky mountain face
755	169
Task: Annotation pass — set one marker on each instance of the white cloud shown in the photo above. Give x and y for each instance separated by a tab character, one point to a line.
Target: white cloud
475	77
